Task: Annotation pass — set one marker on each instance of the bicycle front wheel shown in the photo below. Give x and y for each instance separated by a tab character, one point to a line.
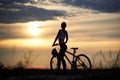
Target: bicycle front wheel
83	62
53	63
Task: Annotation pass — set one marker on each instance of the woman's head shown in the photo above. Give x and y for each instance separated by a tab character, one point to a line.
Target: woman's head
63	25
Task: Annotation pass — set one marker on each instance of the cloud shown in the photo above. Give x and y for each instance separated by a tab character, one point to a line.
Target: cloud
12	32
14	13
109	6
15	1
107	28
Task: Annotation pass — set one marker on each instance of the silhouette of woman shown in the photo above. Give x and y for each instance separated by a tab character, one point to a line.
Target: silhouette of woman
62	37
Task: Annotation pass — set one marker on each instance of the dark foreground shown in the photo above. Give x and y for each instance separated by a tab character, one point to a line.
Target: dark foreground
38	74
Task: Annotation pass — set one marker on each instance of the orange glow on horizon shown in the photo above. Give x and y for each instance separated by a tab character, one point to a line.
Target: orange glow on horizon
25	43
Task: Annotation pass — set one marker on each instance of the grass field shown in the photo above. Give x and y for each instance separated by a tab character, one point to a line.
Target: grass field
39	74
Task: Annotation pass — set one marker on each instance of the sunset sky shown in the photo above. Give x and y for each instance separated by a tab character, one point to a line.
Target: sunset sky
31	26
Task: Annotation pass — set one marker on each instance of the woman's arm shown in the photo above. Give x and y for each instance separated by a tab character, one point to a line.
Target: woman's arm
56	38
66	37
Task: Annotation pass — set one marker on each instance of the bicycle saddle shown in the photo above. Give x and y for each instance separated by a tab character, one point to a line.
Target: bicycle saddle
74	48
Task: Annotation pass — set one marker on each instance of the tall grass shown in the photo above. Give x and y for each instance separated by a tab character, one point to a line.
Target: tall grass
106	60
27	59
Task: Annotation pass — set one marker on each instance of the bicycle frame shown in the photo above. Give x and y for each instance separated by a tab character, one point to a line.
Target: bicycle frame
70	61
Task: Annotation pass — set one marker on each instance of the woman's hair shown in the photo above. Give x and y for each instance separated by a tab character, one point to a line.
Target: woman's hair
63	25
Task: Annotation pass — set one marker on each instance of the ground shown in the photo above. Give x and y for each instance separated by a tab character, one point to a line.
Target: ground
40	74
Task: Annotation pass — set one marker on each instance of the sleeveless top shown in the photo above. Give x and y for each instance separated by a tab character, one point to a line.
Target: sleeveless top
62	35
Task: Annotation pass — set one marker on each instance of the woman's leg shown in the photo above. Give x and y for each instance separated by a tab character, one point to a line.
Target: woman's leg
60	57
63	49
59	62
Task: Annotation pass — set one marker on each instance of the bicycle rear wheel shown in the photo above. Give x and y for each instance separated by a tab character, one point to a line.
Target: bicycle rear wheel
83	62
53	63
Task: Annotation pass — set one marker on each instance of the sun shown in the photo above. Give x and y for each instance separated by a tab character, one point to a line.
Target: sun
34	28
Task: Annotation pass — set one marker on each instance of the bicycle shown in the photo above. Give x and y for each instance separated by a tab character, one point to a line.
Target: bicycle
78	62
